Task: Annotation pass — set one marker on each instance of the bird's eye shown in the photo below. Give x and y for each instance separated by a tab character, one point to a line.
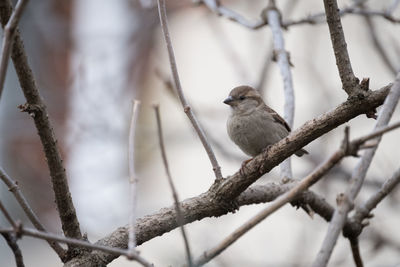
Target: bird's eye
242	97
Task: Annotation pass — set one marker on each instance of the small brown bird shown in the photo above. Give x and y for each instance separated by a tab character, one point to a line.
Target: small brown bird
252	125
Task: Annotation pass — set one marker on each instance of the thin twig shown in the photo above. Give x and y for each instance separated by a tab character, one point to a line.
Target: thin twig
187	109
220	10
347	149
349	80
78	243
378	45
132	176
38	111
392	7
223	11
274	21
8	37
346	200
365	209
179	216
12	243
8	216
13	188
214	141
320	16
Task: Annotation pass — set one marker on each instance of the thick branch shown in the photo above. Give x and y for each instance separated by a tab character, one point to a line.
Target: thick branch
37	109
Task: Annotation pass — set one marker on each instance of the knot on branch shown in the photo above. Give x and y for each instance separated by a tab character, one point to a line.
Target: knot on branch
31	109
18	229
286	53
343	199
271	6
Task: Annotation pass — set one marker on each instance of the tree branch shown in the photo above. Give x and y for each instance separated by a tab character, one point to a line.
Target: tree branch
273	17
12	243
132	176
186	107
13	188
349	80
8	37
172	186
38	111
345	201
78	243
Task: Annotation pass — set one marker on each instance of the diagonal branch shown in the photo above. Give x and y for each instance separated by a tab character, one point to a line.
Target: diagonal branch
220	10
186	107
171	184
346	200
77	243
9	31
12	243
13	188
37	109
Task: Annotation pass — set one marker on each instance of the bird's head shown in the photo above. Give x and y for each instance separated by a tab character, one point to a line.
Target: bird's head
244	99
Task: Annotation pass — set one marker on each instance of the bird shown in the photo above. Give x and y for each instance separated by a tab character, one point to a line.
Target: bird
253	125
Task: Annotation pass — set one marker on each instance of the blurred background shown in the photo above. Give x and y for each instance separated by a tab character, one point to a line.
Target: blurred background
91	58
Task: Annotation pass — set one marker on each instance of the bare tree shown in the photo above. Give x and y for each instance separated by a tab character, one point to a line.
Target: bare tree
227	194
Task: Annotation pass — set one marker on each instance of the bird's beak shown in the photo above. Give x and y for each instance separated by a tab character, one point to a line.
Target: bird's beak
228	100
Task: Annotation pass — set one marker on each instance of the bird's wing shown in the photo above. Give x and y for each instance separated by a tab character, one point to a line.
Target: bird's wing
278	118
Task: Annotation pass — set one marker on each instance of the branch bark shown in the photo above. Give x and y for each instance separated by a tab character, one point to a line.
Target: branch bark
37	109
349	80
346	200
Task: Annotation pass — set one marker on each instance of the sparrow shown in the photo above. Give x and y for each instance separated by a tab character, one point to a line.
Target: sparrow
252	125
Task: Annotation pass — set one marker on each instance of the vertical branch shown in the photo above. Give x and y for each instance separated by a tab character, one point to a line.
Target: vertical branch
274	21
8	37
132	176
346	200
186	107
37	109
349	80
13	187
179	215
